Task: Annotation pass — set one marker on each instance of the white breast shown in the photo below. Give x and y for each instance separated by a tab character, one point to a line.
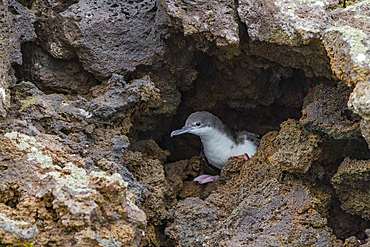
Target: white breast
218	148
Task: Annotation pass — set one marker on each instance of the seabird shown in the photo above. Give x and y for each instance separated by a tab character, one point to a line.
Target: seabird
219	141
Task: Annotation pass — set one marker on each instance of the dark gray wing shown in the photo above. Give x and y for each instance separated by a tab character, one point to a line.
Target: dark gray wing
255	138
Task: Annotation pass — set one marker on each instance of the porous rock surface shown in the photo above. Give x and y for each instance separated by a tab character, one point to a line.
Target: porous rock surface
293	149
255	207
215	20
53	194
63	167
112	36
325	111
352	184
280	196
92	89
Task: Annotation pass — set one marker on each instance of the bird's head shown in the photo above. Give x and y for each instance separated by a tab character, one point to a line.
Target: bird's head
199	123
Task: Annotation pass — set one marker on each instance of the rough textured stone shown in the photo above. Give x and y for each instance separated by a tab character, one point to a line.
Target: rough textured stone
365	130
195	222
56	193
55	75
218	18
253	207
150	171
285	22
344	33
89	155
153	117
48	29
347	43
359	102
289	31
180	177
347	226
112	37
311	58
71	119
16	27
53	113
147	168
325	110
80	134
16	232
352	185
117	98
292	149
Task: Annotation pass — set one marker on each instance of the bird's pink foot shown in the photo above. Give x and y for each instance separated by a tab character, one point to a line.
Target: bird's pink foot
244	156
203	179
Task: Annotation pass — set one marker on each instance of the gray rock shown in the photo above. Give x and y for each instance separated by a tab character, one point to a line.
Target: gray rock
218	18
112	36
347	43
55	75
285	22
325	110
119	98
351	182
16	27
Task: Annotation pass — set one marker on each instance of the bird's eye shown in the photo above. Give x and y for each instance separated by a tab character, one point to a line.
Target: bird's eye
197	123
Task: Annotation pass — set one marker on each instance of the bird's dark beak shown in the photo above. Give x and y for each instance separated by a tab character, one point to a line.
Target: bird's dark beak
180	131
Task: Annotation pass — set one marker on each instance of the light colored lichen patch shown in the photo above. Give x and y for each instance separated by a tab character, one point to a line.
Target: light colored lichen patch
22	141
301	19
3	94
20	229
115	177
80	200
359	100
20	224
30	144
76	180
356	39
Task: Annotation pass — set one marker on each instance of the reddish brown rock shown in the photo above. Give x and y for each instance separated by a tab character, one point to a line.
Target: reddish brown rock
55	195
325	111
147	168
251	207
347	43
352	185
292	149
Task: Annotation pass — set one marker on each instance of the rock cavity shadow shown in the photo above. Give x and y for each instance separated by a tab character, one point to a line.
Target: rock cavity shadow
243	94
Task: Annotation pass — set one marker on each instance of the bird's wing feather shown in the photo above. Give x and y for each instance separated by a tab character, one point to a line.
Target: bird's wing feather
255	138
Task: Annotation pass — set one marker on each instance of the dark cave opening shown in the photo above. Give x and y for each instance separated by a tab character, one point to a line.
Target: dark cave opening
319	181
243	95
261	115
345	225
53	75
